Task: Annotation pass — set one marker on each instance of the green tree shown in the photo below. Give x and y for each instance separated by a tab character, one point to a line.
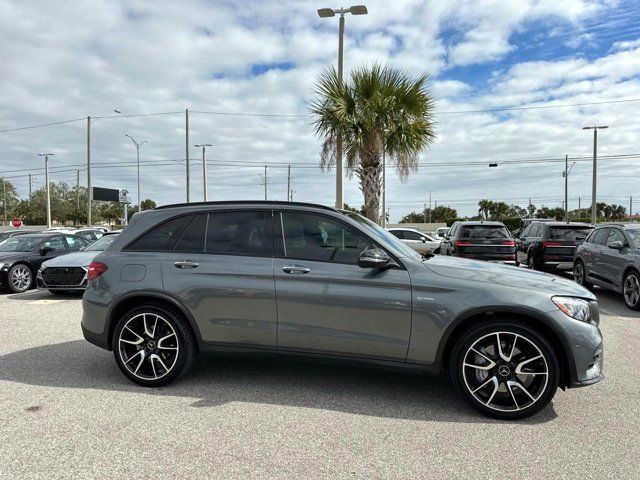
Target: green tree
485	207
353	209
147	204
378	108
8	192
413	217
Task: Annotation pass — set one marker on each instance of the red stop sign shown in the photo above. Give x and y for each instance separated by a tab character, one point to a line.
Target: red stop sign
16	222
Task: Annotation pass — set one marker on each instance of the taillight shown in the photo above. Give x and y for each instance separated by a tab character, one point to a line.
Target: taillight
460	243
95	270
552	244
509	243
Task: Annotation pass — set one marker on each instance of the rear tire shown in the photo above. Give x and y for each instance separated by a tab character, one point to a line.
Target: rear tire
515	380
153	345
580	274
631	290
531	262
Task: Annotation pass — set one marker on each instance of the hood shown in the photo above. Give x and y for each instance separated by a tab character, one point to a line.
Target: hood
75	259
508	275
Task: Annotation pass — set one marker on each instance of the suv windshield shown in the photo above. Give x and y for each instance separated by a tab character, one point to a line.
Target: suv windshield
20	243
634	233
484	231
572	234
101	244
388	236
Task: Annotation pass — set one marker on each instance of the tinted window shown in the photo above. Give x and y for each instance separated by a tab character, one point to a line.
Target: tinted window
56	243
615	235
568	233
484	231
162	237
318	238
412	235
101	244
75	243
192	239
396	233
240	233
591	237
88	235
19	243
634	233
600	236
525	232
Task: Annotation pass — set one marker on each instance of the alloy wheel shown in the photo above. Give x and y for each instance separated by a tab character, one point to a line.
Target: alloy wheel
148	346
505	371
631	290
20	278
578	273
531	263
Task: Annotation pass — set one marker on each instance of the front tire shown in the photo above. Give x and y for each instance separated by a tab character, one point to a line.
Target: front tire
505	369
631	290
20	278
153	345
580	274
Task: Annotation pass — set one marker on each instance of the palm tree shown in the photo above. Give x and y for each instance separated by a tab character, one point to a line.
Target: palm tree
378	108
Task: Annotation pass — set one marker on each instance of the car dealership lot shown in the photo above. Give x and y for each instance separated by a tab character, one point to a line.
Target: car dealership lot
67	411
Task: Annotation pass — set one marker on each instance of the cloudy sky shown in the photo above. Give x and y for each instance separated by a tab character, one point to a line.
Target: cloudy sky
489	62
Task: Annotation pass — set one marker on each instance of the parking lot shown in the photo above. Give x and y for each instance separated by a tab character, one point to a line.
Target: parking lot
67	411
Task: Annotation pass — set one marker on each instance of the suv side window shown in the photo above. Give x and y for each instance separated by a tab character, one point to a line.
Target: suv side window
590	237
525	232
397	233
412	235
536	231
615	235
600	236
75	243
162	237
240	233
321	239
56	243
193	238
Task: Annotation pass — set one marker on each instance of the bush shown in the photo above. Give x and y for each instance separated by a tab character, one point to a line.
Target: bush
512	223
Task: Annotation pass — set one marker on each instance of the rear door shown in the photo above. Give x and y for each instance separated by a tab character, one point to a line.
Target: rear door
593	256
613	261
326	302
221	269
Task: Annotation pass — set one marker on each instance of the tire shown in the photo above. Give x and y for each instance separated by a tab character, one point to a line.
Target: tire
19	278
520	390
580	274
531	262
631	290
165	338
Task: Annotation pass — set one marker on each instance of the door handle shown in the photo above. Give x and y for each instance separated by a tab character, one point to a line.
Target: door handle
296	269
186	264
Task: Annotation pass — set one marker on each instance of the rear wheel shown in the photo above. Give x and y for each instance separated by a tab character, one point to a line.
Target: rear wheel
531	262
580	274
153	345
505	369
20	278
631	290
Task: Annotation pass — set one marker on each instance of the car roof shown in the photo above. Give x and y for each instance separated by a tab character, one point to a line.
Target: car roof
489	223
254	203
565	224
623	225
404	228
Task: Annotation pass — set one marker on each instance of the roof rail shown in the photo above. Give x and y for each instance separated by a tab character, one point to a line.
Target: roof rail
245	202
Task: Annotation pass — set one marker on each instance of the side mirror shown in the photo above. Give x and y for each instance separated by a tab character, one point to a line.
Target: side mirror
46	250
374	258
424	240
617	245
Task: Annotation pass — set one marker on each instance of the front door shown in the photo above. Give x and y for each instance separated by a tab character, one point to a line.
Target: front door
326	302
221	269
612	261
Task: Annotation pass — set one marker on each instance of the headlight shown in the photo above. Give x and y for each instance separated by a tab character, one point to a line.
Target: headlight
574	307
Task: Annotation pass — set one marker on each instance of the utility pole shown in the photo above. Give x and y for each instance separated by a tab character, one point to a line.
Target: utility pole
579	206
430	210
47	187
204	167
29	187
89	193
264	180
425	212
594	208
77	190
384	185
138	147
565	174
325	13
4	200
630	207
186	147
288	181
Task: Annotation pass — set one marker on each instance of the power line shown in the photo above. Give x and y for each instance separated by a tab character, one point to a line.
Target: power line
41	125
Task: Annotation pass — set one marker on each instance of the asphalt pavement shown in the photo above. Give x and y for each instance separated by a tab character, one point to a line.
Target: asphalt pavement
66	411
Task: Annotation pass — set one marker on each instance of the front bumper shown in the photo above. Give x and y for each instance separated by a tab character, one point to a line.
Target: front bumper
61	284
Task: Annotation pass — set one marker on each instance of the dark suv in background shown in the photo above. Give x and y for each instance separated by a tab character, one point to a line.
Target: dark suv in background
610	258
479	240
550	245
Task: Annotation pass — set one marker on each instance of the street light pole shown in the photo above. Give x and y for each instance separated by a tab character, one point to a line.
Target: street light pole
331	12
138	146
204	166
384	187
565	174
595	171
47	189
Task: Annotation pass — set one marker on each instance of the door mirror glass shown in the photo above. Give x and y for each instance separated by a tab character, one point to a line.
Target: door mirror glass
616	245
374	258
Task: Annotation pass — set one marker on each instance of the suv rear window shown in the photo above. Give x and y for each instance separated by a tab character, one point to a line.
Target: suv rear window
568	233
162	237
484	231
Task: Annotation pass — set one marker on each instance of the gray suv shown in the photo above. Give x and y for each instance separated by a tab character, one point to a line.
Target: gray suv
301	279
610	258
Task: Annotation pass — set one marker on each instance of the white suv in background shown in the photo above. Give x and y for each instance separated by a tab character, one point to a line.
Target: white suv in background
417	240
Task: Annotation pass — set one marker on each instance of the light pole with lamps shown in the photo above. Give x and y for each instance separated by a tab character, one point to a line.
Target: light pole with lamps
594	208
204	166
46	181
138	146
326	13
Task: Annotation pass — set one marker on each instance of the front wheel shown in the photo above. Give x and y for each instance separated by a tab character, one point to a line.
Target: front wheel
20	278
153	345
631	290
505	369
580	274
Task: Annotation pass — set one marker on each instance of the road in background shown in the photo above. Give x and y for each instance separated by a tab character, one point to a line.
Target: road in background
68	412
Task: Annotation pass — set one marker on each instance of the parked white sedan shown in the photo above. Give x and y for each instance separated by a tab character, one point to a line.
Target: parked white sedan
419	241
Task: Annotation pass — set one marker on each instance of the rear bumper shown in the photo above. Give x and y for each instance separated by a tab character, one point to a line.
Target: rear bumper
495	257
94	321
557	262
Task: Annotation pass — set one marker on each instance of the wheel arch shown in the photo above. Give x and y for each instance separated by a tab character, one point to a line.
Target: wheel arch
629	268
128	302
529	317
